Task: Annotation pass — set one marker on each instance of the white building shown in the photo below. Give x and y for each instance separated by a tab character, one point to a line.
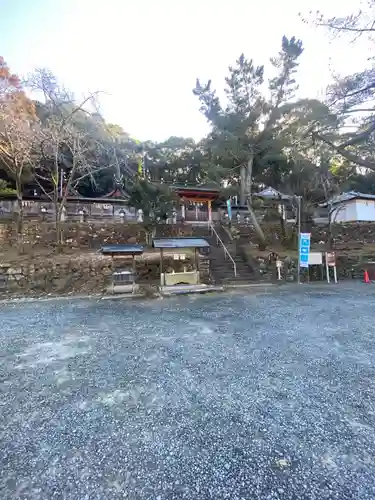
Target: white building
352	207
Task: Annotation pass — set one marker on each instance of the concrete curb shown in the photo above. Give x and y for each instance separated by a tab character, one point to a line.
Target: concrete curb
59	298
20	300
240	286
127	296
251	285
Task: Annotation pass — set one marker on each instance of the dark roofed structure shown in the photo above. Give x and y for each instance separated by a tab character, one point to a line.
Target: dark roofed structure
180	243
122	249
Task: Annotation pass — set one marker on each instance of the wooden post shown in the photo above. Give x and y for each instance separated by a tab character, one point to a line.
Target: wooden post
133	268
327	268
197	264
335	273
161	267
209	210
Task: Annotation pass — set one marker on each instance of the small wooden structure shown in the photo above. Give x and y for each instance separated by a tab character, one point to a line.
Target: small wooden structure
196	202
111	206
185	277
124	274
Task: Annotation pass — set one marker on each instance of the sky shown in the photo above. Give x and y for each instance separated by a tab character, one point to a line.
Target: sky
145	55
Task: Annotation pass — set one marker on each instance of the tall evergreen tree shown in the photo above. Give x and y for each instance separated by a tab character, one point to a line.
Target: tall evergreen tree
246	129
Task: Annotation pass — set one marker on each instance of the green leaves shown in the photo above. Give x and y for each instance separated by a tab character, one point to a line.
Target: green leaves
156	200
251	124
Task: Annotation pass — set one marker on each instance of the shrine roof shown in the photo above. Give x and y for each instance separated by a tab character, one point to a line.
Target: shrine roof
122	249
196	188
197	191
180	243
116	194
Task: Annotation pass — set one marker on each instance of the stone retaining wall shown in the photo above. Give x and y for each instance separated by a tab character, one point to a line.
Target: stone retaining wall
90	273
85	235
66	276
94	235
349	235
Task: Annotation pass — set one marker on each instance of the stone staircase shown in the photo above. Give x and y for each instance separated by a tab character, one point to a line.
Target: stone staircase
221	266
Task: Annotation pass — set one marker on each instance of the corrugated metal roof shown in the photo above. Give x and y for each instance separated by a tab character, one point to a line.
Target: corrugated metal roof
272	194
125	249
180	243
350	195
195	188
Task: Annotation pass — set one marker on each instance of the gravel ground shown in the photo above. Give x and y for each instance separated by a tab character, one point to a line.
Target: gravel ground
236	396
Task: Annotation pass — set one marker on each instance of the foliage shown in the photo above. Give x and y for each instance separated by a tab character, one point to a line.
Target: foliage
260	135
17	123
351	97
5	188
251	125
253	132
18	132
156	200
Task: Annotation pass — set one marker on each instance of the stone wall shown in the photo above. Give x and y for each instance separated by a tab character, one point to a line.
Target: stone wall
350	235
85	235
56	277
87	273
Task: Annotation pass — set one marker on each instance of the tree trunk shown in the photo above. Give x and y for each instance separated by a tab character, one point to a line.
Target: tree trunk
58	228
332	216
248	182
281	210
20	212
242	185
249	178
330	236
56	199
58	209
258	229
282	226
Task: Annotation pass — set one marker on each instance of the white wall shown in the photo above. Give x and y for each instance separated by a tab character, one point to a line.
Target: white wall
365	210
345	212
354	210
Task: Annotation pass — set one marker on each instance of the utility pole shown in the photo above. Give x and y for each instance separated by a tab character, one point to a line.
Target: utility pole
242	185
299	237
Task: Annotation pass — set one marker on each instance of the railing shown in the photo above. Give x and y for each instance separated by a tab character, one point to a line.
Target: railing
226	251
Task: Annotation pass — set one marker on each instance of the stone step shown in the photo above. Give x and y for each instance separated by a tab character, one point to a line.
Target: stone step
218	265
231	273
239	265
222	268
237	281
231	279
231	276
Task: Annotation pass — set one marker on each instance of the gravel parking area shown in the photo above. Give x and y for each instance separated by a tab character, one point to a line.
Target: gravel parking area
232	396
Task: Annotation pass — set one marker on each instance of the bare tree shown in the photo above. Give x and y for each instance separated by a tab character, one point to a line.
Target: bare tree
351	98
67	158
18	133
17	153
358	23
68	153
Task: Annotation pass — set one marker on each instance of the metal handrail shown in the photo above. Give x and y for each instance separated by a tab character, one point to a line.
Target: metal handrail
226	251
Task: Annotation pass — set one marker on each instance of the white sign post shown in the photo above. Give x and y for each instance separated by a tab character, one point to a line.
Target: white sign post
331	262
278	267
303	251
315	258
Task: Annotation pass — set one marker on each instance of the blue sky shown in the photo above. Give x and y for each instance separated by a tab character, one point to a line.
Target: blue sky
146	54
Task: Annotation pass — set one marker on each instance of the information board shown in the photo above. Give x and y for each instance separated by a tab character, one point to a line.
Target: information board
304	249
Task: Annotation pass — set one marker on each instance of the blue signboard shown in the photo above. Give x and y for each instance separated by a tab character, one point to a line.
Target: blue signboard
229	208
304	249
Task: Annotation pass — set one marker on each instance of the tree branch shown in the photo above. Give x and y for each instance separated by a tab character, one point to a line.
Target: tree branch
358	138
348	28
358	160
